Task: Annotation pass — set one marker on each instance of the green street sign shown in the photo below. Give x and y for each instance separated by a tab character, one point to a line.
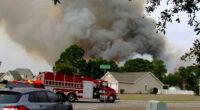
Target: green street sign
105	66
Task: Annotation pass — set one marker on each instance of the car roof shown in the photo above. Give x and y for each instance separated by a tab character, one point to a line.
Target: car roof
23	90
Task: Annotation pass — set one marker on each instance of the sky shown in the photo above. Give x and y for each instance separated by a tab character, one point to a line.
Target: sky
12	55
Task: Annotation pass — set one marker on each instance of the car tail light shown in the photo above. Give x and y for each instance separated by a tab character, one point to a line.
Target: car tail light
15	108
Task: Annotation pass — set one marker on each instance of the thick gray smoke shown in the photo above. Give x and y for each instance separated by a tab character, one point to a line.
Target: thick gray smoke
112	29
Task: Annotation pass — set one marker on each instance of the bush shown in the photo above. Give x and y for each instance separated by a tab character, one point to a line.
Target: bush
122	91
155	90
151	90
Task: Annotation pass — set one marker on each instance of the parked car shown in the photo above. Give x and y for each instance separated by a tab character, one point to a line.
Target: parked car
18	84
31	99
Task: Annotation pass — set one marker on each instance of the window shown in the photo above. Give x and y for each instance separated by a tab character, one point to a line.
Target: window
38	97
52	97
9	97
146	88
42	97
33	97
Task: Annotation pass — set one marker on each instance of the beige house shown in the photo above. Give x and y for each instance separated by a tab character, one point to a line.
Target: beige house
26	74
10	76
135	82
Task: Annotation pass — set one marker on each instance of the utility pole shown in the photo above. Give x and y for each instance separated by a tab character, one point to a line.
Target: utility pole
199	86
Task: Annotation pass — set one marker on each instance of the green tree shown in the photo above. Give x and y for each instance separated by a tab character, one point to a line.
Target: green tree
194	52
137	65
185	78
173	79
70	60
56	1
173	12
159	69
93	67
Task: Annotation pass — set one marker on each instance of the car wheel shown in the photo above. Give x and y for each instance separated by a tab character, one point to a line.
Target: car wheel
112	98
102	101
71	97
61	96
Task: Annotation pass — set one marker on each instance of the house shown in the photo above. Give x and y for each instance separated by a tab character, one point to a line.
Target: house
135	82
26	74
11	75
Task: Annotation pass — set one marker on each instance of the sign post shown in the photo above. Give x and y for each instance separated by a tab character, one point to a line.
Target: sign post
104	67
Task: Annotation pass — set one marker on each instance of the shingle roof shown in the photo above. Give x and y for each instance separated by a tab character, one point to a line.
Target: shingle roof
16	75
131	77
24	71
1	74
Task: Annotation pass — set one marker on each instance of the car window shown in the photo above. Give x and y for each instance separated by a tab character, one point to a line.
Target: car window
38	97
33	97
52	97
9	97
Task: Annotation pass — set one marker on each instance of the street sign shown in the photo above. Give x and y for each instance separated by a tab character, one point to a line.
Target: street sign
105	66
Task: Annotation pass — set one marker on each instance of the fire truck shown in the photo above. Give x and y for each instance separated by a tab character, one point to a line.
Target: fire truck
74	87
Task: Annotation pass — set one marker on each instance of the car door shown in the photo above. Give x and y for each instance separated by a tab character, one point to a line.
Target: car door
54	100
39	101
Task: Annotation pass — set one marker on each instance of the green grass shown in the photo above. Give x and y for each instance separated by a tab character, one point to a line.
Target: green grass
143	108
167	98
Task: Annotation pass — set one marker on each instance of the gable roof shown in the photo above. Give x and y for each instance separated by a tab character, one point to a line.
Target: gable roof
24	71
15	75
1	74
131	77
128	77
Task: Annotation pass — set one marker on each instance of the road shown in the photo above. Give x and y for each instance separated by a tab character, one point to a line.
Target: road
92	105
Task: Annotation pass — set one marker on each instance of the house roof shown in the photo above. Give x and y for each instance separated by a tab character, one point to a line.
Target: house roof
15	74
131	77
24	71
128	77
1	74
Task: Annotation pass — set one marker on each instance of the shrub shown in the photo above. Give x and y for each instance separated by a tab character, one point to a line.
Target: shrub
155	90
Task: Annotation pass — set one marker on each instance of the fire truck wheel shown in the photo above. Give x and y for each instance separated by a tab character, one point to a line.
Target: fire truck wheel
71	97
112	98
101	101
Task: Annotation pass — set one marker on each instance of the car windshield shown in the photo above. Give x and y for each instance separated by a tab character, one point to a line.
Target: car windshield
9	97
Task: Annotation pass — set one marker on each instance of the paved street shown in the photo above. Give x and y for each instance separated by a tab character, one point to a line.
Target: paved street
92	105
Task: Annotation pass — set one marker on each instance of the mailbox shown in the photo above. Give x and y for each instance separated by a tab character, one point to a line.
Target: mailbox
155	105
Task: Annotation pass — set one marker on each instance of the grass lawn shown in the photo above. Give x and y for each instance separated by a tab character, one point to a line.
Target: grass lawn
170	98
143	108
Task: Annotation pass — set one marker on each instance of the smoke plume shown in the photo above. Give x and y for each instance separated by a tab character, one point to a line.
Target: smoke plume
112	29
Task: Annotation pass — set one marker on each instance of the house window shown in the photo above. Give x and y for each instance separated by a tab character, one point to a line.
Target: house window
145	88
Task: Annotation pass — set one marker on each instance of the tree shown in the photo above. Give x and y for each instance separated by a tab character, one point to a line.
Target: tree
159	69
93	67
194	52
173	79
174	10
70	60
56	1
137	65
185	78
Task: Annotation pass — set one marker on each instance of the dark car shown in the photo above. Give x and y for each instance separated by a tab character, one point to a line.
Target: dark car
31	99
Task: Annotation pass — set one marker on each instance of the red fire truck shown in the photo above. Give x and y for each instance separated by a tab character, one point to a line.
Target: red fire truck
74	87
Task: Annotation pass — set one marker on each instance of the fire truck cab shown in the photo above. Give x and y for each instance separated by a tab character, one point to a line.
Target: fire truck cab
74	87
